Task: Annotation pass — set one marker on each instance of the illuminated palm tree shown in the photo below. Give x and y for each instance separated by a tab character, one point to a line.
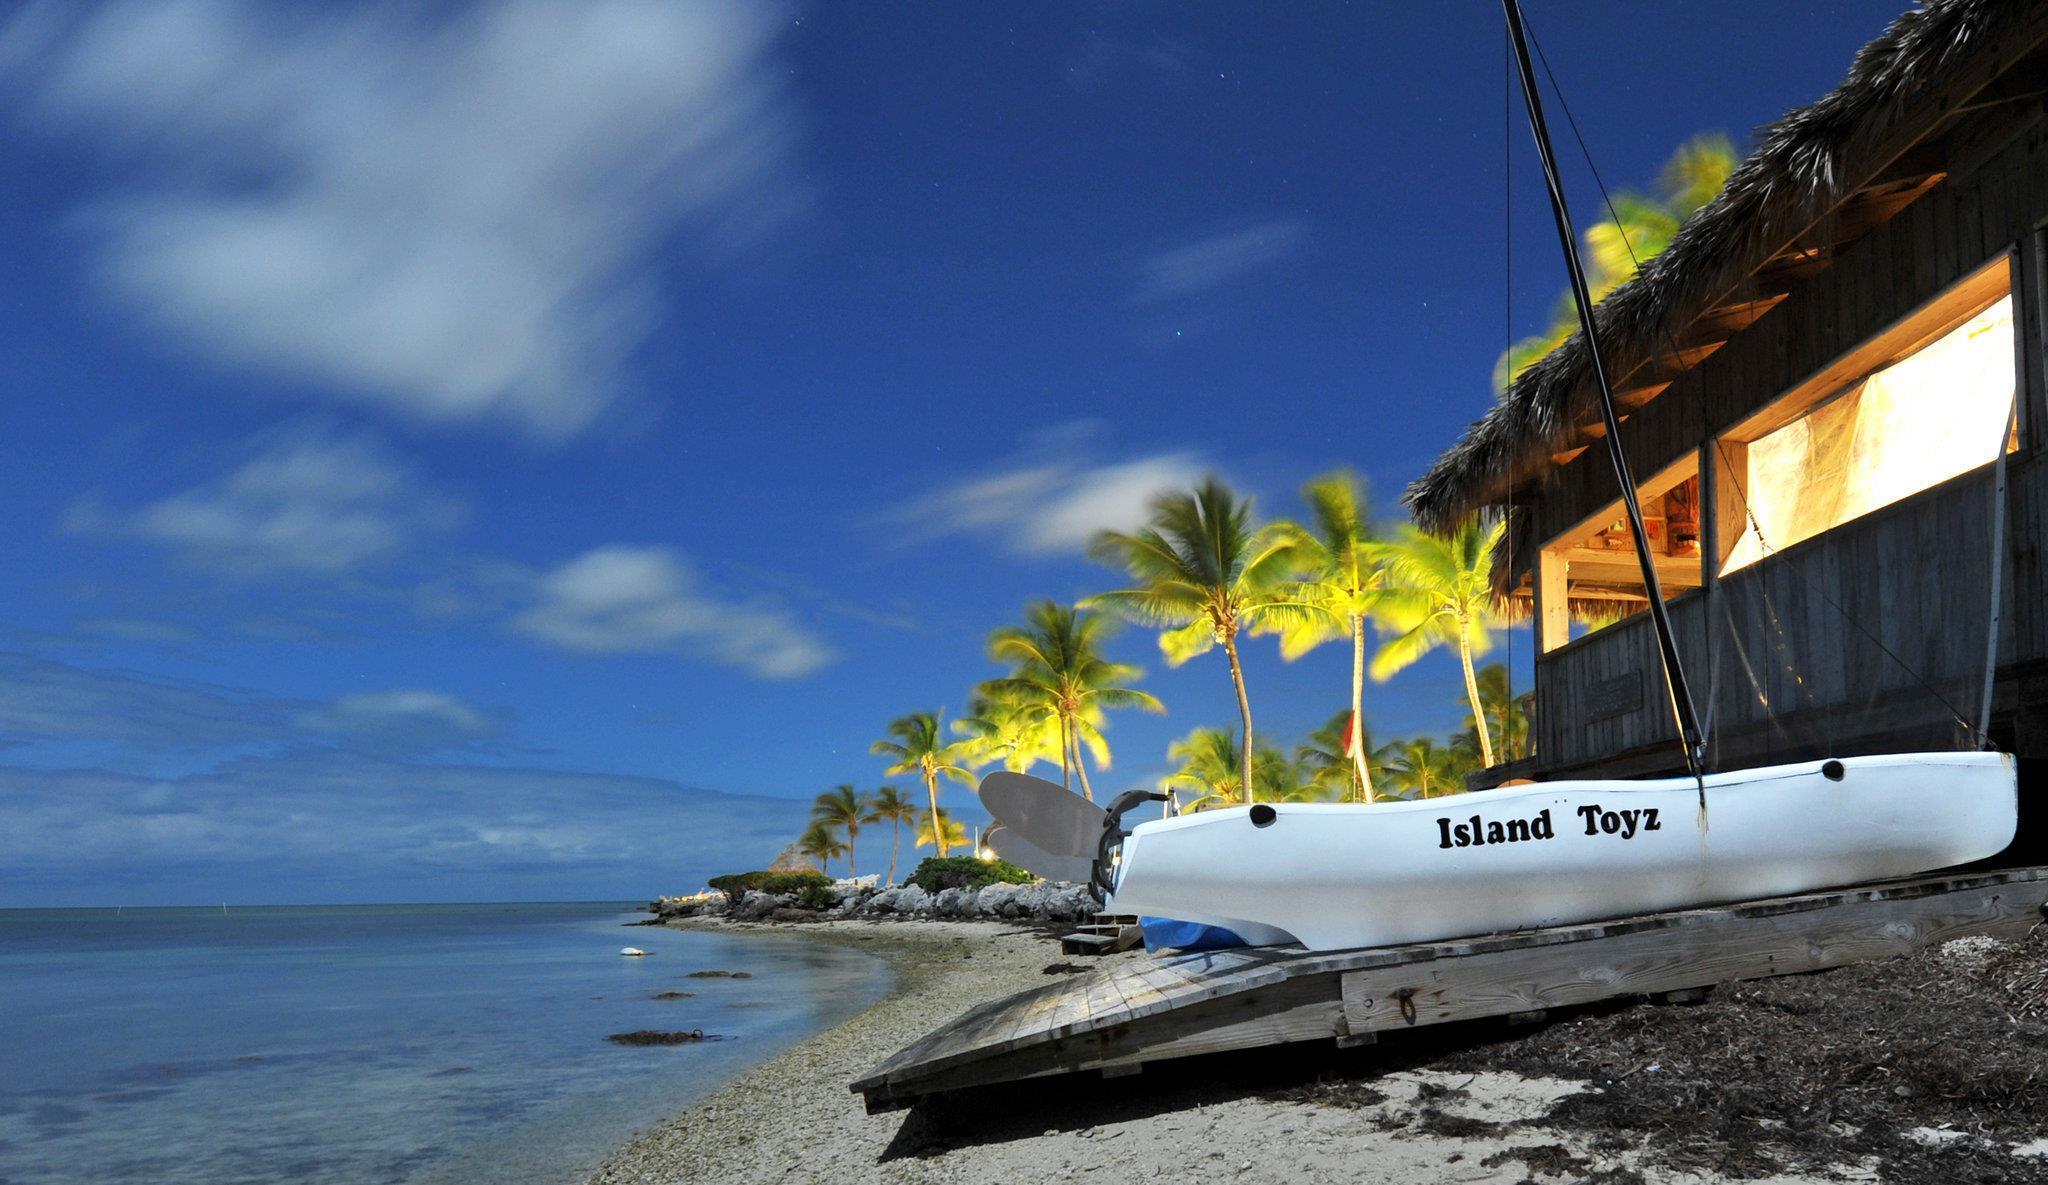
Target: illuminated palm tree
1326	759
1058	673
1212	770
820	843
919	746
1000	729
889	805
1640	227
1421	768
842	808
1346	569
944	832
1204	575
1439	593
1506	718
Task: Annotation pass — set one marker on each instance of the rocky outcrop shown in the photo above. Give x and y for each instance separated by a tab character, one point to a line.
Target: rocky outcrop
1039	901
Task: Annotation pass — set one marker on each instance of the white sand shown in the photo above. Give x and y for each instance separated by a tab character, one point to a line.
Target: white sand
794	1120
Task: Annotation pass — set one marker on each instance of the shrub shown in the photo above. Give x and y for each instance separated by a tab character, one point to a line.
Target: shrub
817	897
965	872
737	884
794	882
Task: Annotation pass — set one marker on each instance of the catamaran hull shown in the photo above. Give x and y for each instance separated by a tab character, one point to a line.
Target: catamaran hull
1337	876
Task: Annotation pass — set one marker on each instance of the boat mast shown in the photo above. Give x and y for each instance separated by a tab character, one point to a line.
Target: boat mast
1682	707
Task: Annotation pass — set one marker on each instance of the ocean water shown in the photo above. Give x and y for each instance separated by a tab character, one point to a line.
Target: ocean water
365	1044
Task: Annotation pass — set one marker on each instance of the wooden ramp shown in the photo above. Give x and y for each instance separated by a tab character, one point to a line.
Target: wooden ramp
1158	1007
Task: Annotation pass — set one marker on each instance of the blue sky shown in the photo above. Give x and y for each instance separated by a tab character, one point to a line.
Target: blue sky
527	451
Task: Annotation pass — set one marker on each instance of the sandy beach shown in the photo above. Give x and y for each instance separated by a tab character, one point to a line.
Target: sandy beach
1300	1115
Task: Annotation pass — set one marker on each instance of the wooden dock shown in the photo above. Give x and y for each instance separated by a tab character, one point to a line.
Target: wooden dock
1158	1007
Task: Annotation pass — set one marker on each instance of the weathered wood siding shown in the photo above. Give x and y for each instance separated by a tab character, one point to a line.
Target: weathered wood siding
1914	574
1873	628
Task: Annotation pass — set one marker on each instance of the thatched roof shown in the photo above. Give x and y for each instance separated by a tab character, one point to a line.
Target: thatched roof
1805	166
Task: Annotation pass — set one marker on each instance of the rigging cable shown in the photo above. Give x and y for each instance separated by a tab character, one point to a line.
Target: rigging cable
1749	513
1676	685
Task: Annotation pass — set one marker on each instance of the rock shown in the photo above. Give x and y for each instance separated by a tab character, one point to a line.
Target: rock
907	900
954	903
1005	901
674	995
656	1037
756	905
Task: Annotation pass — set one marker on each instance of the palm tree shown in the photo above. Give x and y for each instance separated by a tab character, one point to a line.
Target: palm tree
1203	575
1640	227
1327	757
1421	767
842	807
1212	770
889	805
999	728
944	831
1506	719
920	747
1346	574
1058	673
821	843
1439	593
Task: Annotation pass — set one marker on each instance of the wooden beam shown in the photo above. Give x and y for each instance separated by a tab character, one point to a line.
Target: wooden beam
1714	946
1595	566
1553	604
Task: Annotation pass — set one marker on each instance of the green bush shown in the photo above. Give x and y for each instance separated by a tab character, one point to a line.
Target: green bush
966	872
794	882
817	897
737	884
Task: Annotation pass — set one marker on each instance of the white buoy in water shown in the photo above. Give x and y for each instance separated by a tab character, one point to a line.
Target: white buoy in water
634	951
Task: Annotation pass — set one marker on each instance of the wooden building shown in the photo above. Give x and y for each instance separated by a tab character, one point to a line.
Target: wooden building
1816	378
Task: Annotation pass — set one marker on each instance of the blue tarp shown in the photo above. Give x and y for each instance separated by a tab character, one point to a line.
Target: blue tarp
1167	934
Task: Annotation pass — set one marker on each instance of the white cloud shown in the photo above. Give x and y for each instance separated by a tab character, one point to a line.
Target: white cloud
644	600
399	721
1197	267
452	216
309	504
1048	506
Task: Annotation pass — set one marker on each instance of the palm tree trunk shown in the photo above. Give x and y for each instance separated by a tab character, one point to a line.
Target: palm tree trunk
1358	761
1066	774
931	794
1080	767
895	845
852	869
1244	713
1472	693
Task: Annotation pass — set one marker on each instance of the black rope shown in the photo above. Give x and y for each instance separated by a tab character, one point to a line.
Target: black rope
1748	513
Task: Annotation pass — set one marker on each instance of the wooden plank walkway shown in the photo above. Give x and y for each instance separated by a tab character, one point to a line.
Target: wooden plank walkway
1118	1018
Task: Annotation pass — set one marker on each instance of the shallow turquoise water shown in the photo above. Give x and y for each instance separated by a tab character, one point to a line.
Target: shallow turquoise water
433	1043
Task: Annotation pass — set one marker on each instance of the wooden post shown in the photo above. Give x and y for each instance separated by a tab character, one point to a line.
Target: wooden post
1730	498
1553	601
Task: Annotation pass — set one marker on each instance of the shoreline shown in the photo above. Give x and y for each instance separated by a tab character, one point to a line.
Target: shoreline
788	1117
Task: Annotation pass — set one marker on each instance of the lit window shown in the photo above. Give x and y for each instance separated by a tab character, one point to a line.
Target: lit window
1934	415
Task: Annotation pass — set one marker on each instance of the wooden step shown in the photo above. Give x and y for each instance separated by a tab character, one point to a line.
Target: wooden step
1087	944
1101	939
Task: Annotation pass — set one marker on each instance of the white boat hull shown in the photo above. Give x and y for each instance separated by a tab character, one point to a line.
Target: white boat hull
1336	876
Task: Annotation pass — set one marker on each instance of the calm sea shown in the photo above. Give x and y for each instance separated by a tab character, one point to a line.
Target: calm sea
360	1044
